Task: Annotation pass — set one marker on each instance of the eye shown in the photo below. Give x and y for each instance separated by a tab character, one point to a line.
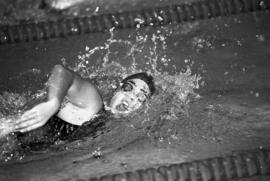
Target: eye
127	87
141	97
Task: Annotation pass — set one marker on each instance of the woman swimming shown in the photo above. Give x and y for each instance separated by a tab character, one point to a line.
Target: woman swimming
84	101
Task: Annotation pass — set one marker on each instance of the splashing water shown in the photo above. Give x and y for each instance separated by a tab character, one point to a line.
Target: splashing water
142	52
10	104
6	126
145	53
151	51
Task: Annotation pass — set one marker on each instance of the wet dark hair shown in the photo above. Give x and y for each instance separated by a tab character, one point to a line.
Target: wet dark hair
148	79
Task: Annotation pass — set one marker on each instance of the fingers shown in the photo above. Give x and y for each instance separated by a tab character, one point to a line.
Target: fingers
29	115
28	119
25	124
32	127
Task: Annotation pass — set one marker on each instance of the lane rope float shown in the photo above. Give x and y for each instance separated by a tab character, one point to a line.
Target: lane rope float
158	16
241	165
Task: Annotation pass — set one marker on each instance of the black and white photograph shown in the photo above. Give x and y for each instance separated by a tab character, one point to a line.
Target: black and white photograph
134	90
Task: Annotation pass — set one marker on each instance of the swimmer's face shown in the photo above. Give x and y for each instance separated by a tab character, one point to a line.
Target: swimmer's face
130	96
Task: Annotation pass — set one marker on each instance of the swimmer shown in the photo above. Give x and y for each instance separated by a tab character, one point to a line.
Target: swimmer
83	99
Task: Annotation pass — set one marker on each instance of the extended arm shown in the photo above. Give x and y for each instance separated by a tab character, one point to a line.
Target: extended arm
62	83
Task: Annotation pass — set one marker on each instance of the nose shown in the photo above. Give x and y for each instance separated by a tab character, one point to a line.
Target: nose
116	99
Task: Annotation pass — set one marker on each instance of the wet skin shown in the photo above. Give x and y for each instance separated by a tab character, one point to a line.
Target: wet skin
83	100
129	97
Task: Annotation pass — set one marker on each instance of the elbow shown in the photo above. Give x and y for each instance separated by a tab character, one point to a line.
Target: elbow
59	68
62	71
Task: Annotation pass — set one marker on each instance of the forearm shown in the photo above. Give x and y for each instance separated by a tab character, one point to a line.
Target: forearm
82	95
59	83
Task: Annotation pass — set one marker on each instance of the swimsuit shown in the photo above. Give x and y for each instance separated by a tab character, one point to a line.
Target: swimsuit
58	129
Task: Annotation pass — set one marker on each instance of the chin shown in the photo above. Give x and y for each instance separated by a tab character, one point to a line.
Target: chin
115	111
120	114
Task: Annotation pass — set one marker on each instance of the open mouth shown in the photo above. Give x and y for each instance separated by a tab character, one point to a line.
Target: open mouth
123	106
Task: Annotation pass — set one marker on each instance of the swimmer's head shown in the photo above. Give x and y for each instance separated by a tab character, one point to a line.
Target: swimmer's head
132	93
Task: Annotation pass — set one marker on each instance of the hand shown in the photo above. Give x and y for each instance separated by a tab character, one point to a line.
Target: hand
36	117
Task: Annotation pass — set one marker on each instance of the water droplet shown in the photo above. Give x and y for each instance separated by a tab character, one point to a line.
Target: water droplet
74	29
263	5
97	9
260	37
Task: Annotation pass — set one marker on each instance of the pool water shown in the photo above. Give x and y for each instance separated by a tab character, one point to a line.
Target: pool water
212	96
